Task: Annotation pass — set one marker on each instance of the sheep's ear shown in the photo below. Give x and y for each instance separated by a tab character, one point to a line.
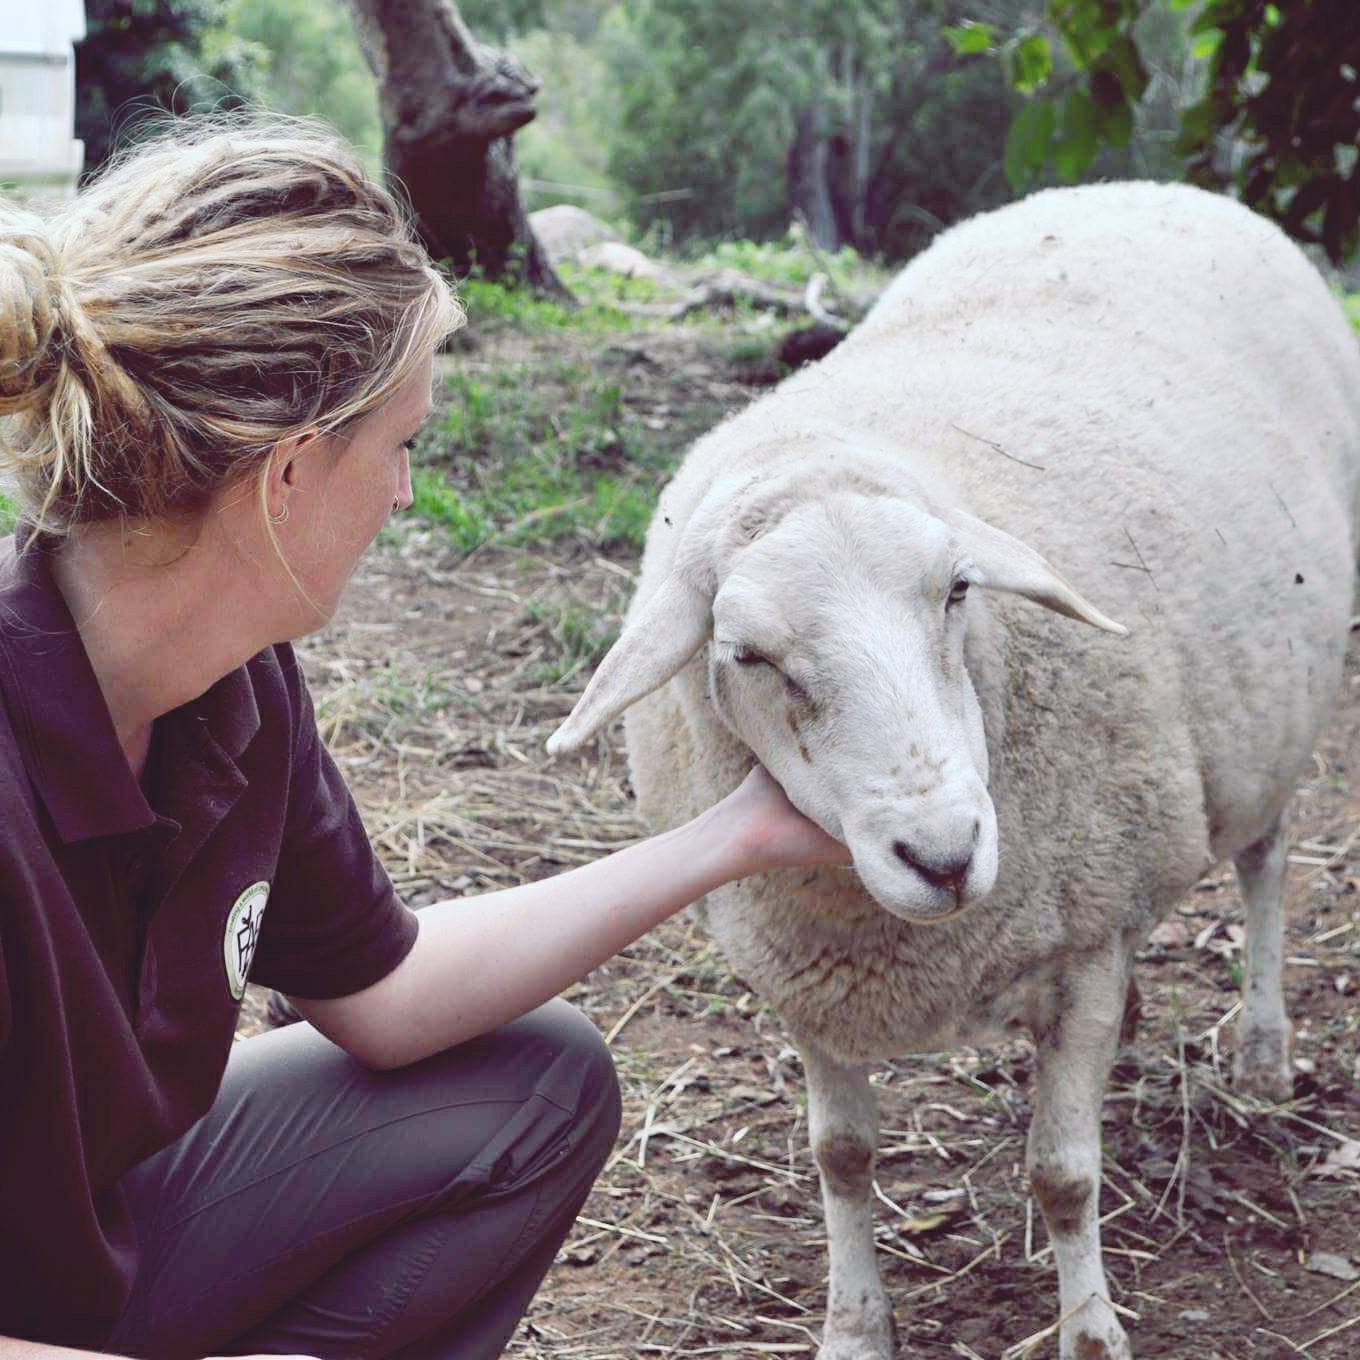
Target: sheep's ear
672	626
1000	562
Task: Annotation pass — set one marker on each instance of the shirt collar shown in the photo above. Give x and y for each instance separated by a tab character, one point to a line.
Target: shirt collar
59	713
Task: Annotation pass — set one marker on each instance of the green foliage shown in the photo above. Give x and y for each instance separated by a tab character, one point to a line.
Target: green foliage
1031	63
524	455
1284	80
1279	114
785	260
1028	142
141	56
8	514
311	64
599	294
580	637
567	145
1351	302
969	39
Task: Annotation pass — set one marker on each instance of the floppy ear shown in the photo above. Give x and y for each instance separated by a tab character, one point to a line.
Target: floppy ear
1001	562
672	626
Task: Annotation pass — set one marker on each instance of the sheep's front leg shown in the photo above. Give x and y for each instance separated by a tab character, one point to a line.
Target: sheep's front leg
1261	1065
843	1124
1075	1045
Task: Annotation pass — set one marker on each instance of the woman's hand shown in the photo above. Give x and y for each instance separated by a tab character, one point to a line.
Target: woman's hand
768	832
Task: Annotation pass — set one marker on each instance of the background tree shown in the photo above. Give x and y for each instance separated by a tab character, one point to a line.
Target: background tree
142	55
830	111
450	108
863	117
310	63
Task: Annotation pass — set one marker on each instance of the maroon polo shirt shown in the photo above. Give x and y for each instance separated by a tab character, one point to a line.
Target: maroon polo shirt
129	915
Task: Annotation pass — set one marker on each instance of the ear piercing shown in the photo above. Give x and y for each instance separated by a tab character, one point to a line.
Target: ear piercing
280	517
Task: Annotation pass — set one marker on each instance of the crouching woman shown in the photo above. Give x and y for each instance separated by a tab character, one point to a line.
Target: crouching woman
211	365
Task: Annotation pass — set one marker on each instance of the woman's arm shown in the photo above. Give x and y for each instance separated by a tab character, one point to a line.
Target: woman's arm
480	961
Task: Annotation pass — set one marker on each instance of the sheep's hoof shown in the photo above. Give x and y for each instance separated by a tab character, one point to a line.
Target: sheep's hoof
1261	1065
1093	1333
865	1333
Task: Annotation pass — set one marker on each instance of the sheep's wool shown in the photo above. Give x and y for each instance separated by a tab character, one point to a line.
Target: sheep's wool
1154	388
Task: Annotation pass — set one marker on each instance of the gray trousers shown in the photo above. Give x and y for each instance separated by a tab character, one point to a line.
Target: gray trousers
321	1209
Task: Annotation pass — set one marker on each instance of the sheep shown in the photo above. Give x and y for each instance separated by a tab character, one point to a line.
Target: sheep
1154	387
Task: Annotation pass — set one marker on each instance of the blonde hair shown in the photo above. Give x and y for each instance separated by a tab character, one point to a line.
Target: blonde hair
226	286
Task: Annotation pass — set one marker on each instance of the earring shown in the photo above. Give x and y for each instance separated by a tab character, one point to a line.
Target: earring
280	517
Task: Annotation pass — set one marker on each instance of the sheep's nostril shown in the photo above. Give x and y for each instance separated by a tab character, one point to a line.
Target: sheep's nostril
938	875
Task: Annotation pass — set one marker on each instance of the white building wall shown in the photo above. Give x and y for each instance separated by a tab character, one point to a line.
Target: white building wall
38	92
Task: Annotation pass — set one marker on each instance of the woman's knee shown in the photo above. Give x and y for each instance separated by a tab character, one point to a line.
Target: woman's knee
582	1050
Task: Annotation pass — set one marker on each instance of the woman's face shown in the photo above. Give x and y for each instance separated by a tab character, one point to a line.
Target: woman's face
339	491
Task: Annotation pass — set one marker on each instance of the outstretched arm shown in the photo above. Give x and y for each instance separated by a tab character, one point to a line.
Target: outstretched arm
480	961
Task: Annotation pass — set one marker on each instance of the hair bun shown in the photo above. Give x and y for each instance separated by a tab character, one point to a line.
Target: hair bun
28	309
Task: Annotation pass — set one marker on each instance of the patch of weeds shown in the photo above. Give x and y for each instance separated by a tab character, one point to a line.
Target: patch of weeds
408	697
599	306
384	702
1351	303
580	636
535	453
787	261
753	359
436	499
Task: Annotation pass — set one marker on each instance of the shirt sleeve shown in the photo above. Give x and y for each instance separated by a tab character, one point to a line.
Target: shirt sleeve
333	924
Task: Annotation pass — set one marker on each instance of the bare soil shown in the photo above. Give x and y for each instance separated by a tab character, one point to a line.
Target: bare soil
1231	1229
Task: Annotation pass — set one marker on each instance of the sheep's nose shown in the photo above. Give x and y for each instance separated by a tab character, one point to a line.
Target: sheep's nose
940	871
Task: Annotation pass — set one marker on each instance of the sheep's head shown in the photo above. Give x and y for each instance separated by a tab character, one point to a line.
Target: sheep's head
837	655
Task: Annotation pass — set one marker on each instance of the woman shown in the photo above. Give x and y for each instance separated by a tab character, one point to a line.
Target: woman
212	364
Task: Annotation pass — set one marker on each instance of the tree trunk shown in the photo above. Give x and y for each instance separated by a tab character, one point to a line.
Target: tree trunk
809	175
450	108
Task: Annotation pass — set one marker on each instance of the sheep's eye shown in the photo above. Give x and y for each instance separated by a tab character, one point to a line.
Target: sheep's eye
744	656
957	591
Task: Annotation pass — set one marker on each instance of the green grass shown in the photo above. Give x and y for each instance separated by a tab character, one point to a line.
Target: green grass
1351	302
539	453
787	261
600	301
580	637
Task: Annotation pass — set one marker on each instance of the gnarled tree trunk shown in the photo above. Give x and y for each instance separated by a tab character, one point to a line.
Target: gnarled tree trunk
450	108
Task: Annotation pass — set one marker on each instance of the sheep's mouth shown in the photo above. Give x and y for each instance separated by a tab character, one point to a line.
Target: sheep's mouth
921	918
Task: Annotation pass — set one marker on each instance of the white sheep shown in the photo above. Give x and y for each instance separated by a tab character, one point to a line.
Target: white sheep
1154	387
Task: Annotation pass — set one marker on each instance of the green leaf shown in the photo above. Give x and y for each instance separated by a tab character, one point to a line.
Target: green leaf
1077	143
1031	63
969	38
1206	44
1114	123
1128	67
1028	142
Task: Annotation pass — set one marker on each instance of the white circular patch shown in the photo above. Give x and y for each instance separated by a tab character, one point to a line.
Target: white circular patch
242	935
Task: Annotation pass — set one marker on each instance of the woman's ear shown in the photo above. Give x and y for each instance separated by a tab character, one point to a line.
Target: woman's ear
285	471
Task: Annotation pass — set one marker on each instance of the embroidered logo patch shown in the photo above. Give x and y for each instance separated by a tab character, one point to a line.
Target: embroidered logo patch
242	935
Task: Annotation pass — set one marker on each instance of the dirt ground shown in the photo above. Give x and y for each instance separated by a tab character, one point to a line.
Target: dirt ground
1230	1229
